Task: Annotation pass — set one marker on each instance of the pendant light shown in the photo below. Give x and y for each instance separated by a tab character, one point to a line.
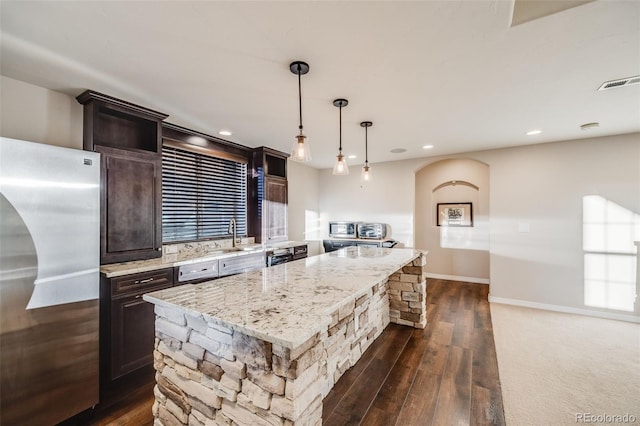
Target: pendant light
340	168
365	175
300	151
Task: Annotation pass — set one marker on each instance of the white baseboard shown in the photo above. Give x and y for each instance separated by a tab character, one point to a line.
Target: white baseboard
457	278
564	309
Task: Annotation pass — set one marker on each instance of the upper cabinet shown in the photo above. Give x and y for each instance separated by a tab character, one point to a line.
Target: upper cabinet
270	171
129	137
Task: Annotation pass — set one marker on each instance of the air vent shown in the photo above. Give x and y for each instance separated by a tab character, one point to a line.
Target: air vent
620	82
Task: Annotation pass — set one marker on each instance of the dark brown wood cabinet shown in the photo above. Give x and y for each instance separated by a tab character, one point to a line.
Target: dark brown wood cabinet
131	198
274	225
129	137
127	323
270	171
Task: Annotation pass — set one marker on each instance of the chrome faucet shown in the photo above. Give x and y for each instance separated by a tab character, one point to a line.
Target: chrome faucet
233	229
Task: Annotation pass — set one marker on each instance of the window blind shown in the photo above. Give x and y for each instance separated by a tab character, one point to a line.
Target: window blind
200	194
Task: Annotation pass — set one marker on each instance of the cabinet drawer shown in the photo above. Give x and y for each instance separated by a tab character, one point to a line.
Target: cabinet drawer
143	282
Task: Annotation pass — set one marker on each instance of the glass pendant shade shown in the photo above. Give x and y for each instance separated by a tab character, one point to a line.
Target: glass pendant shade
301	151
341	167
365	175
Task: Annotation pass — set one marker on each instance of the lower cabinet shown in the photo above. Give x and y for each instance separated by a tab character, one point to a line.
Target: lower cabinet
127	322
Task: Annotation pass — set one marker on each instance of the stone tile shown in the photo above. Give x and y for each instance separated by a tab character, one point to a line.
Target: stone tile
174	315
168	328
252	351
266	380
235	369
258	396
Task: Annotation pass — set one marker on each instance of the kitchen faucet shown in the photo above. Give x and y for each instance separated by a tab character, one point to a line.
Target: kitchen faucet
233	229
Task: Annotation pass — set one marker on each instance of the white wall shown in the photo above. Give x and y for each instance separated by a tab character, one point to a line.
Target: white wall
303	209
388	198
36	114
539	187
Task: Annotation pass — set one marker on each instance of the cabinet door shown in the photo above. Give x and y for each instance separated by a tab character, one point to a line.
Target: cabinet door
275	209
131	205
132	334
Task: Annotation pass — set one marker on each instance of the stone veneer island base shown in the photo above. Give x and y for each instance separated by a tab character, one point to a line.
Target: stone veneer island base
265	348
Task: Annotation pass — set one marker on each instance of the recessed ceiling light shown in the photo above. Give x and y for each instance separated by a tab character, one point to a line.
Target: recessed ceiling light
225	132
534	132
427	146
589	126
352	156
398	150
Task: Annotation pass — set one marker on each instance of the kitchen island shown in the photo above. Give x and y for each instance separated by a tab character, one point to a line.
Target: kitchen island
265	347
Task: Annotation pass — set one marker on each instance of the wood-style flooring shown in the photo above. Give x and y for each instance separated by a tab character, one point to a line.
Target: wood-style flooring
446	374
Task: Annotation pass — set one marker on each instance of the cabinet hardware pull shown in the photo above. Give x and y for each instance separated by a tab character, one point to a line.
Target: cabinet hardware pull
138	296
148	280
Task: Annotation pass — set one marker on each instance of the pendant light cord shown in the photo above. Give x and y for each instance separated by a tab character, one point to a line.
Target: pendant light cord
340	149
366	146
300	97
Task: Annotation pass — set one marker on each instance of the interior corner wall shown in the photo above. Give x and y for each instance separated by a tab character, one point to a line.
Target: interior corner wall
454	251
388	198
537	213
303	210
36	114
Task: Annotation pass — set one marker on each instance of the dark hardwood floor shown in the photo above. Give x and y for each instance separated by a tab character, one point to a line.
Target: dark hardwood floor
446	374
125	403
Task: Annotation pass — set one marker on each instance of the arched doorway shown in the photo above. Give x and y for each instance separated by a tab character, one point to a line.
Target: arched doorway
460	251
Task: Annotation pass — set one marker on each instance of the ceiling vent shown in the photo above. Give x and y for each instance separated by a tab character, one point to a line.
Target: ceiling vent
620	82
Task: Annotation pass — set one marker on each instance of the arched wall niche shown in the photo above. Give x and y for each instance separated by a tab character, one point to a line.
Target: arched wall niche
454	252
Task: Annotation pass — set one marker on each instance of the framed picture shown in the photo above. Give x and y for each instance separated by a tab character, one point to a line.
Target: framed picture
454	214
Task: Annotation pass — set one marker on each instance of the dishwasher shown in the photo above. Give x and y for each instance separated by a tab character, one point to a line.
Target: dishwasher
193	273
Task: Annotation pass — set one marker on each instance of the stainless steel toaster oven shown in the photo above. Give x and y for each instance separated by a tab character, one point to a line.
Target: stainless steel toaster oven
342	229
374	231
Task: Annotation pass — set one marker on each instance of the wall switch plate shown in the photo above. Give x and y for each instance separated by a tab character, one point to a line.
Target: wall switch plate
524	228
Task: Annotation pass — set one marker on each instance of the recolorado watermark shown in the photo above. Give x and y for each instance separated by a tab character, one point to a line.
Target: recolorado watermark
605	418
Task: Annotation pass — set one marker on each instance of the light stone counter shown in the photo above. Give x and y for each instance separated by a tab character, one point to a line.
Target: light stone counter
265	347
190	253
288	303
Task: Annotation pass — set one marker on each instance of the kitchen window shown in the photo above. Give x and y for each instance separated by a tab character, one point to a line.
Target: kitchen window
201	191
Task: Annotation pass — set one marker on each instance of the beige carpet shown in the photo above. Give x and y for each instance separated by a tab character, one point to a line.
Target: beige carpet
554	366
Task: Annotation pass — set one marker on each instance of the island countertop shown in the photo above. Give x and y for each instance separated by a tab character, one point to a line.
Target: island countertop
289	303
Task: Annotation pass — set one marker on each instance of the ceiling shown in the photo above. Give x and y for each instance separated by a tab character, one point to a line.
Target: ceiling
452	74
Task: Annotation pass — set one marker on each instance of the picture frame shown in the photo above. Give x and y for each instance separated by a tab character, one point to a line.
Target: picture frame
454	214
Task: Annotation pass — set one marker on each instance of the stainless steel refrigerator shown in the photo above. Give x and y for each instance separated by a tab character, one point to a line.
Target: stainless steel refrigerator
49	282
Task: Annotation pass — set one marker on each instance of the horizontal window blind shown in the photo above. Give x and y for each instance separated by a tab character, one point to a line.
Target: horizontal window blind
200	194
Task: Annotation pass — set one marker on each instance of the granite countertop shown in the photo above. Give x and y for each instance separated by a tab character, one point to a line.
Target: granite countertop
288	303
178	259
